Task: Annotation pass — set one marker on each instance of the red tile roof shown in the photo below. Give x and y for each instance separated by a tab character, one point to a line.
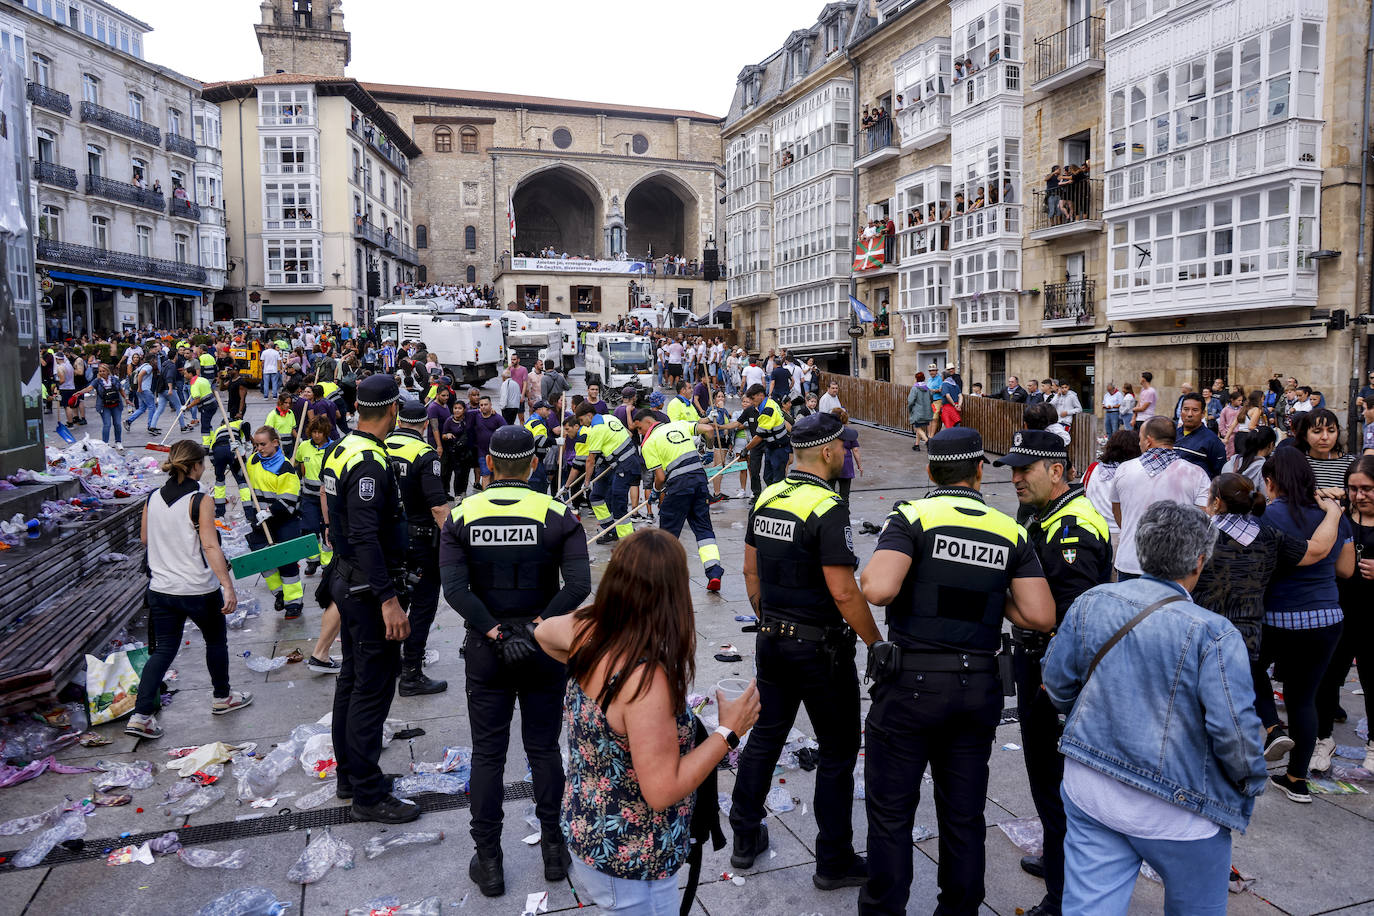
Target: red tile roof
503	99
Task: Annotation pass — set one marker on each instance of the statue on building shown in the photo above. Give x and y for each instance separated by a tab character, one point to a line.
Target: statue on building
615	230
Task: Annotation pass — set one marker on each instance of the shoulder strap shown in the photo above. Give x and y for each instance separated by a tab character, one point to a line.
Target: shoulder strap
1121	633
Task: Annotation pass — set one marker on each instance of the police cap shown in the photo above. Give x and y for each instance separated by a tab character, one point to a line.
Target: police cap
1031	445
541	404
816	429
511	442
378	391
412	411
957	443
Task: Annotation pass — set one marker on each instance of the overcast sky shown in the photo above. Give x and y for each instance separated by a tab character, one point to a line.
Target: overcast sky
584	49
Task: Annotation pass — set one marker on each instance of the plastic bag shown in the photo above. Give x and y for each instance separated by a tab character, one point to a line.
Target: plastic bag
1026	833
319	797
71	826
136	775
384	841
246	901
442	783
262	664
392	906
166	844
202	757
128	855
46	819
213	858
457	759
197	801
317	758
779	800
112	683
323	853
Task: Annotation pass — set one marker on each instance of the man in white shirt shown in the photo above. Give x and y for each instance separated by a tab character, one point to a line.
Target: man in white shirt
798	373
271	373
1111	403
753	373
1159	473
831	399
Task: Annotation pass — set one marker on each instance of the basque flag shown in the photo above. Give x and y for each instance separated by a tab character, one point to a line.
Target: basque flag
863	311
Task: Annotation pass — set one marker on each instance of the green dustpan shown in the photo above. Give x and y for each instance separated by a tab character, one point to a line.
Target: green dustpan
266	559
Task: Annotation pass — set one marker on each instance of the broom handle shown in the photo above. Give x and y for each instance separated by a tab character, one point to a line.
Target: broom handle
177	421
300	431
244	462
641	505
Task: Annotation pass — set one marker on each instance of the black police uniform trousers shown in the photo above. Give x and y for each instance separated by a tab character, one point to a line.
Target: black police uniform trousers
363	692
424	603
949	721
792	672
493	688
1040	731
756	471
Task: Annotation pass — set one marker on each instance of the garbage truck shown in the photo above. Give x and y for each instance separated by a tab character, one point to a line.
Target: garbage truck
470	347
614	359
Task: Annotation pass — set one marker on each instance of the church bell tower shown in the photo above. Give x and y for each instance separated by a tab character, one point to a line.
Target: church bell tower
303	36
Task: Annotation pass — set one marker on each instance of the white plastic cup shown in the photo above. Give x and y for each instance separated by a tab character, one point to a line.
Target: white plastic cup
732	688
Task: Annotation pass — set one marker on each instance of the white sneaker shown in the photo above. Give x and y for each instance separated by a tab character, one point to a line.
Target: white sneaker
741	493
119	446
1321	756
1369	756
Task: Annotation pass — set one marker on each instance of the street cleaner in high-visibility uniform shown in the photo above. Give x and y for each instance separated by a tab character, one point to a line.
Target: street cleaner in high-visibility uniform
610	450
230	440
670	452
309	461
278	492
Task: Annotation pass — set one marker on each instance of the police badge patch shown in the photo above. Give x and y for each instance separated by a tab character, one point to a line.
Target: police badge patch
367	488
849	538
1070	556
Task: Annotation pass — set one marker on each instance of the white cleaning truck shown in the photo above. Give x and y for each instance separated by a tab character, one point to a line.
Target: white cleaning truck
470	347
615	359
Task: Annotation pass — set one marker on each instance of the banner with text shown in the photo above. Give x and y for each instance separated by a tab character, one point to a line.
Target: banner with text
574	266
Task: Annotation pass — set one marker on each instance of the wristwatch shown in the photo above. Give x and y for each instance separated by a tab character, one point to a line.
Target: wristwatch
730	737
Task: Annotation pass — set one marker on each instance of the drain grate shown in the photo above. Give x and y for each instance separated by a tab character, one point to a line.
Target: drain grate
226	831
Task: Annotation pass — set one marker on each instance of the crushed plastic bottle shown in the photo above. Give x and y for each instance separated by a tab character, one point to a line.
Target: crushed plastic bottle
257	780
247	607
324	852
213	858
136	775
22	825
384	841
245	901
70	826
319	797
392	906
262	664
726	802
196	802
166	844
442	783
457	759
779	800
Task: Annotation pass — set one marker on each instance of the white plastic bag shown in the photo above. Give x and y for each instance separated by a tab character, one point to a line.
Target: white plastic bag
112	683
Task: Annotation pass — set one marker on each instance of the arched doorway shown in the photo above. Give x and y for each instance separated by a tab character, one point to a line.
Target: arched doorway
656	213
558	208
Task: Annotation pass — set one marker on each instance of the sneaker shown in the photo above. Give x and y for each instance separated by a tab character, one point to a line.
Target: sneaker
855	876
236	700
1321	755
143	727
744	853
1369	756
713	585
1296	791
322	666
741	493
717	497
128	425
154	431
312	567
1277	743
916	447
390	810
345	791
609	537
119	446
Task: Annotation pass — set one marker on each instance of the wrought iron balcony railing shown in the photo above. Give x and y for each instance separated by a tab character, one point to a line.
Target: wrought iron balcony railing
183	209
181	145
1077	205
54	174
124	192
92	113
118	262
1068	48
1072	300
49	98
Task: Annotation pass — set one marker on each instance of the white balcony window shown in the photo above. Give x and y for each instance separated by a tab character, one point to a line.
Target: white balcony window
290	205
289	155
292	262
277	106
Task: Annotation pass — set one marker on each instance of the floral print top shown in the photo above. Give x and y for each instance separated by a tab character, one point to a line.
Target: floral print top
605	818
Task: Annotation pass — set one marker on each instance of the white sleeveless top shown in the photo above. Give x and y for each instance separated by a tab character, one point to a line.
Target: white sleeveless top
174	553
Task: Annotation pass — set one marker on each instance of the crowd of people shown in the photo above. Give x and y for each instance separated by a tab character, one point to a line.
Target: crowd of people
1199	550
1068	193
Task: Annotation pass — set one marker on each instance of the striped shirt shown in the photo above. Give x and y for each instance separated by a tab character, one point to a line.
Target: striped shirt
1330	472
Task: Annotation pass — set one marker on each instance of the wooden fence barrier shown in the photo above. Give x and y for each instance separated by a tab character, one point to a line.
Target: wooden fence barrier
884	404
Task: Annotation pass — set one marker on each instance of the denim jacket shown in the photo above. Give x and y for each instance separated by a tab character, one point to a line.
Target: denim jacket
1170	709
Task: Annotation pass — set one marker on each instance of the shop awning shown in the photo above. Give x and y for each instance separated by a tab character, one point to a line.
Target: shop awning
124	284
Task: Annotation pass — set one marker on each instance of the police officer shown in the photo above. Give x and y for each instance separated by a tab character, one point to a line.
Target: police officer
799	571
610	448
770	433
501	554
943	567
544	436
680	482
366	526
1074	546
417	468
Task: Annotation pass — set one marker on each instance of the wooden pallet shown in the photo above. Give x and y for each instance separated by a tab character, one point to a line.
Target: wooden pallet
33	575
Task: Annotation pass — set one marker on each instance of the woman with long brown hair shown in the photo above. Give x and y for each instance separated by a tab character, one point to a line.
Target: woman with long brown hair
632	770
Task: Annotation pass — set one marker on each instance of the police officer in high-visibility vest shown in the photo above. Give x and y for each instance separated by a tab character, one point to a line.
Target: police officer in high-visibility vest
799	572
230	440
680	408
417	468
770	434
544	435
1074	546
948	568
609	450
684	496
200	396
278	492
367	531
501	555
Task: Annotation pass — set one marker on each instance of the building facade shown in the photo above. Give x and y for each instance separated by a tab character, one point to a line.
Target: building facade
1085	190
320	224
114	165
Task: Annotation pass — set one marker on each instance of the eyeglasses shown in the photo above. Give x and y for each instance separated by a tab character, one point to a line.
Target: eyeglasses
1361	491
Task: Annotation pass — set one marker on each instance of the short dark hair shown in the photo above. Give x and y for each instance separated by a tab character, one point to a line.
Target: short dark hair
586	408
949	473
1039	416
368	414
1160	429
755	391
1122	446
682	385
644	413
1304	389
511	467
1147	375
1193	396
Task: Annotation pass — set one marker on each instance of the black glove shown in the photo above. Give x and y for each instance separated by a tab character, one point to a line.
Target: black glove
515	644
